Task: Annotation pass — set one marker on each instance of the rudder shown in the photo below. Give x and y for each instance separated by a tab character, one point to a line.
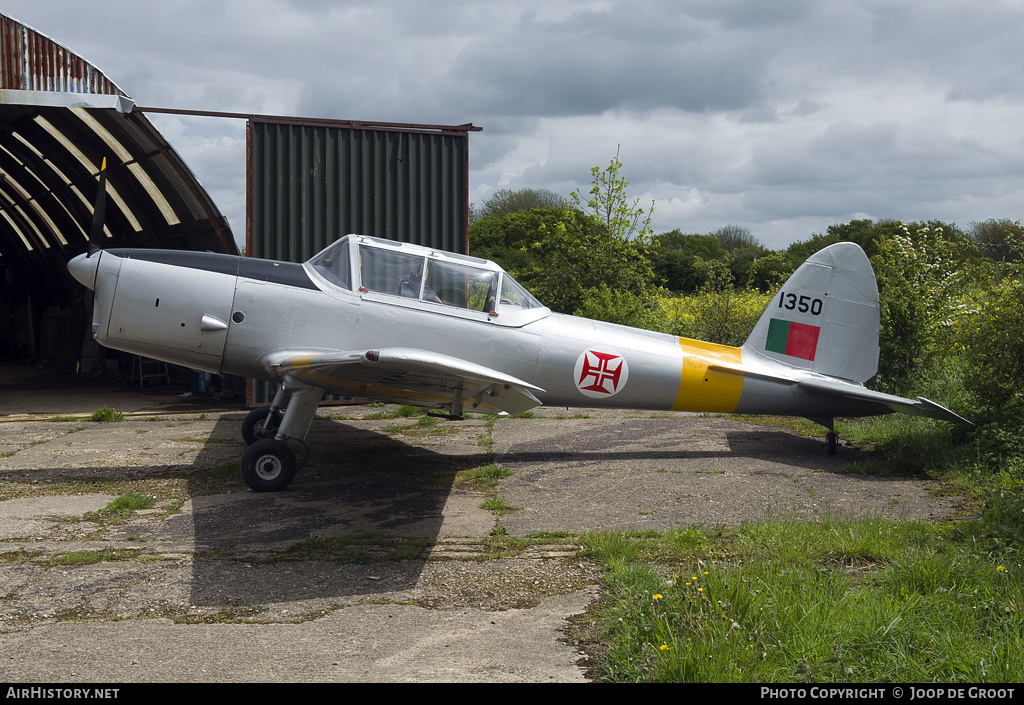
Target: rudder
825	318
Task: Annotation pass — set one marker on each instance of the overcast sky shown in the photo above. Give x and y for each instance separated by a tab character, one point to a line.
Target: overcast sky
783	116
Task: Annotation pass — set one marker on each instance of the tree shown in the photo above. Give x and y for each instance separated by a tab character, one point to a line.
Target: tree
995	238
768	273
578	256
734	237
505	201
863	232
919	284
678	259
594	261
508	238
741	248
798	252
609	205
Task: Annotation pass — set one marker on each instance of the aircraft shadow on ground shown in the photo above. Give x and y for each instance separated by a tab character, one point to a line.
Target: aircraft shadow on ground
643	440
370	495
369	485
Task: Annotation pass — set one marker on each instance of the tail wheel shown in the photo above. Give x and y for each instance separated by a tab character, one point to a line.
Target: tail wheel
260	424
268	466
832	439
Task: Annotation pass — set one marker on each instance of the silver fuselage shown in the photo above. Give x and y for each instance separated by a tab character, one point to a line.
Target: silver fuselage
227	314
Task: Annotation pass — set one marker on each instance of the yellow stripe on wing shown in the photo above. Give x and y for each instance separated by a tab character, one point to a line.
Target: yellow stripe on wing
304	370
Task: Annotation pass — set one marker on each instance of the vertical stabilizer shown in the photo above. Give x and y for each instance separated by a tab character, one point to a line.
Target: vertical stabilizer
825	318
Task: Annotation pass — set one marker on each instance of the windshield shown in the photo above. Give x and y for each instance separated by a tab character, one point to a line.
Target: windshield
333	264
514	296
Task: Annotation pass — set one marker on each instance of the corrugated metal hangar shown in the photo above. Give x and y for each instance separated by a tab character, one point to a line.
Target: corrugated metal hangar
308	183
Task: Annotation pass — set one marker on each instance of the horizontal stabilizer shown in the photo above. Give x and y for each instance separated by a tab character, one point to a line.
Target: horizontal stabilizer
840	389
920	407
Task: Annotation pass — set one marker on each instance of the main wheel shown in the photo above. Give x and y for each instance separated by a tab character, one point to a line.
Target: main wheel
268	466
260	424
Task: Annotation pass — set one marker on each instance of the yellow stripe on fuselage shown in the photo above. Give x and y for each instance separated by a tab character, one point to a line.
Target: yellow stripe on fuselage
701	390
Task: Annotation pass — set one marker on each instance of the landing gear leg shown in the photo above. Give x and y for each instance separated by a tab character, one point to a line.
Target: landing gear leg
268	464
831	438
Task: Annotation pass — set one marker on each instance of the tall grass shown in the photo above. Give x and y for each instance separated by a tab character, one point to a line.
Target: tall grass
839	601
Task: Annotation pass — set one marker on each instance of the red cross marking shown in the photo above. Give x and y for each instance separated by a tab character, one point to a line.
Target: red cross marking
603	370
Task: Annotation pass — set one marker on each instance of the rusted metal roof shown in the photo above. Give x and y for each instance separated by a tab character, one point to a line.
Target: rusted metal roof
34	62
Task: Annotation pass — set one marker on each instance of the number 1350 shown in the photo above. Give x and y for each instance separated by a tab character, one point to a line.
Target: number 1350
803	304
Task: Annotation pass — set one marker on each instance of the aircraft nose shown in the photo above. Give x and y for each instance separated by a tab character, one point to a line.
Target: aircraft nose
83	268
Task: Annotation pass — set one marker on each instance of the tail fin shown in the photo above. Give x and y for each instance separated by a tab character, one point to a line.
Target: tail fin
825	318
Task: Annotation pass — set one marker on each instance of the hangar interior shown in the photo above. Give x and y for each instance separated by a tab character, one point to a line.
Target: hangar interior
60	117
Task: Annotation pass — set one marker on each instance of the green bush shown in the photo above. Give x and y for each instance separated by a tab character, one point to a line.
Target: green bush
619	306
725	317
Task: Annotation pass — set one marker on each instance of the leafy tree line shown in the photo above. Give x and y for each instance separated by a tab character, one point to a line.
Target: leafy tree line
952	301
600	259
952	330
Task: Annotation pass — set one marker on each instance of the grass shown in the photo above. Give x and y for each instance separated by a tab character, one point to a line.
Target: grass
229	469
485	478
550	535
499	544
786	601
174	507
497	506
487	440
105	415
89	557
19	556
396	412
123	506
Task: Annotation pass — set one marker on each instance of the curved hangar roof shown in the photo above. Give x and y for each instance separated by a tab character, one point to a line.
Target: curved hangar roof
59	117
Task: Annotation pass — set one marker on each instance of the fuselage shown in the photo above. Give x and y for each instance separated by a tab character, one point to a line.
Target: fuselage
226	314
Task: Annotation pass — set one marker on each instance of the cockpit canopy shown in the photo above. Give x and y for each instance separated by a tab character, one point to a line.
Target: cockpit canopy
368	264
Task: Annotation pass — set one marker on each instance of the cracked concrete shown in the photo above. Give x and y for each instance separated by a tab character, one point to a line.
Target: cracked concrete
379	562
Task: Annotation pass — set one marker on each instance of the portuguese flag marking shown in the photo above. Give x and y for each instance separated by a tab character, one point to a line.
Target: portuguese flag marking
792	338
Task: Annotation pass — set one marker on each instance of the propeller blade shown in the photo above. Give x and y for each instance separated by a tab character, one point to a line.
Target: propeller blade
98	212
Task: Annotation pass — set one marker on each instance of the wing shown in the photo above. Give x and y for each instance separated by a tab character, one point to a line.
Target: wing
407	376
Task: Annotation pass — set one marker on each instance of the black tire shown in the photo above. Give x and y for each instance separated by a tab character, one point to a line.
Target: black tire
268	466
832	439
257	427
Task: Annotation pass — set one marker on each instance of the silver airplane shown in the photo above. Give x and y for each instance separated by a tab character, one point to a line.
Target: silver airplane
400	323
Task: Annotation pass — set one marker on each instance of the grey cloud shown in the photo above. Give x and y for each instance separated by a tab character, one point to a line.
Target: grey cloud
881	169
554	72
753	14
843	151
805	108
749	111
